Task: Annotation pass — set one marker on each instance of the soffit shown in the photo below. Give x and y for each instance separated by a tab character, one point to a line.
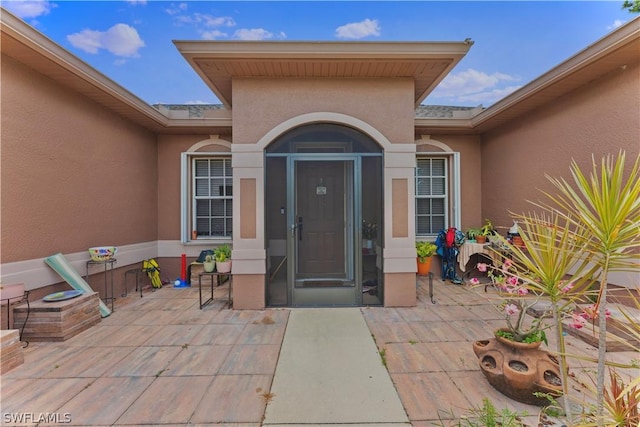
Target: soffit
219	62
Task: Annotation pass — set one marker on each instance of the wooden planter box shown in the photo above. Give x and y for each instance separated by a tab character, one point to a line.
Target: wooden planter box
57	321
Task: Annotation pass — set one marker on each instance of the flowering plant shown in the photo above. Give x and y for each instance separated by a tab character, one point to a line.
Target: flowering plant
519	299
369	230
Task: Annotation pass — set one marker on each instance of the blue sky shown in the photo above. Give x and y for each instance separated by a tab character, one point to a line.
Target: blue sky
131	41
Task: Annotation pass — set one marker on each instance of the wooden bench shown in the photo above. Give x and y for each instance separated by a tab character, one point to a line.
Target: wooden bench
57	321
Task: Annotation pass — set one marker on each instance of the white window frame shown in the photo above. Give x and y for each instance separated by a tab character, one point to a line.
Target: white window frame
188	199
452	183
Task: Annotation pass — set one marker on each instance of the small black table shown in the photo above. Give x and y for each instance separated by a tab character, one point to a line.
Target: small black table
217	276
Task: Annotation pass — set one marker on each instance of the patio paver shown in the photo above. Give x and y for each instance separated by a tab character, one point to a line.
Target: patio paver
161	360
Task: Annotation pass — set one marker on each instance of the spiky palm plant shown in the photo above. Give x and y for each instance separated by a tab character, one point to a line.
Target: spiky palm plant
606	204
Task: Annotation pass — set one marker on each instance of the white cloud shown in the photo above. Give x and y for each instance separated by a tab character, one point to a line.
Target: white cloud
120	40
176	9
208	21
617	23
475	86
29	8
253	34
359	30
213	35
136	2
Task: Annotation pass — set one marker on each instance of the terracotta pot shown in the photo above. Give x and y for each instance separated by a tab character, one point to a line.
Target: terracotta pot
481	239
424	267
517	241
518	370
515	344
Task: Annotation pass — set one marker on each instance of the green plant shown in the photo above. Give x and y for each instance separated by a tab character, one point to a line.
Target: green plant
516	297
585	231
369	230
473	232
222	253
621	401
606	203
486	415
208	258
487	229
424	250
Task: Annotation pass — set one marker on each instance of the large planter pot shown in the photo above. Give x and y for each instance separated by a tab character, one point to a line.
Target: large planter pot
424	267
223	266
518	370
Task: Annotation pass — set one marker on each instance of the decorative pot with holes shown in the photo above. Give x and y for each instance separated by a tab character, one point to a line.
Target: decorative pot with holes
518	370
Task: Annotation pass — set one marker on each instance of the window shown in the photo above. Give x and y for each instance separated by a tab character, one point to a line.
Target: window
432	195
212	204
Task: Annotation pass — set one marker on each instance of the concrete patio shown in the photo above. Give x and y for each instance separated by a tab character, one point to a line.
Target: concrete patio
160	360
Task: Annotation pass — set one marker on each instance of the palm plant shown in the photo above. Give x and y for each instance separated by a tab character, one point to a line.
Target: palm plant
590	228
551	252
606	204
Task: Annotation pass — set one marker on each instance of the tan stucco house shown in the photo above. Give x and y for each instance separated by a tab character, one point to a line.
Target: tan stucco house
313	140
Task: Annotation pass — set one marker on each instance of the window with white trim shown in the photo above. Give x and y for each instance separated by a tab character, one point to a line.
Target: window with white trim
432	195
212	197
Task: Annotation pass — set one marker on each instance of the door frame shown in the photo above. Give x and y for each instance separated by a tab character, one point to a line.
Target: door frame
350	295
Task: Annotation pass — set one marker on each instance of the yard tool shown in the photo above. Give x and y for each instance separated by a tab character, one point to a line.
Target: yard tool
151	267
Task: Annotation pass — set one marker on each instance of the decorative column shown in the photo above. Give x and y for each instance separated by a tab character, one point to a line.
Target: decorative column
399	255
248	256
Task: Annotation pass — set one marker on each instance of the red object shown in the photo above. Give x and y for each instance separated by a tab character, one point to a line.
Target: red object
450	239
183	268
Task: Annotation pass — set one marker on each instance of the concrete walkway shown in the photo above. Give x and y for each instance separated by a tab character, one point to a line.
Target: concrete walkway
330	367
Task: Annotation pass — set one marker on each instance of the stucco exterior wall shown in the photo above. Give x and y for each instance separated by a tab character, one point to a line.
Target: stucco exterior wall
170	147
470	151
260	105
599	118
74	175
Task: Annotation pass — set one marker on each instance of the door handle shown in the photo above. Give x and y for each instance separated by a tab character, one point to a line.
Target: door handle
300	226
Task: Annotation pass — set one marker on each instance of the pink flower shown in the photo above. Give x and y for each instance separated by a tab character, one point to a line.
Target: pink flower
523	291
566	288
507	263
482	267
511	309
590	312
578	321
512	280
474	281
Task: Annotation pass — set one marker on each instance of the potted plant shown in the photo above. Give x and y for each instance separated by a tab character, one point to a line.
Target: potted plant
472	234
424	254
209	264
485	231
222	254
369	231
522	370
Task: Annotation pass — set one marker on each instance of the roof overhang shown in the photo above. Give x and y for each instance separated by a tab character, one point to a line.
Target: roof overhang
612	53
219	62
28	46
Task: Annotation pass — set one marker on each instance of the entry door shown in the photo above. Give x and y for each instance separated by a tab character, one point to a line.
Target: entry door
322	239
